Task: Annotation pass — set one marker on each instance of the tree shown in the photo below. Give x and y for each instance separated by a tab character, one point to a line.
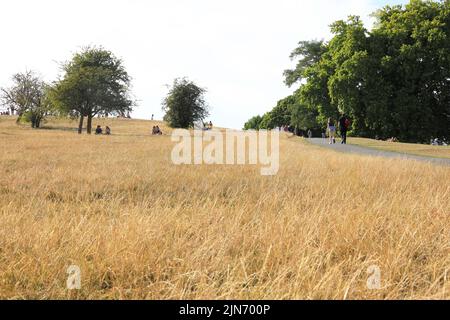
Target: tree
415	66
279	116
310	53
303	116
94	82
313	72
254	123
392	81
185	104
27	96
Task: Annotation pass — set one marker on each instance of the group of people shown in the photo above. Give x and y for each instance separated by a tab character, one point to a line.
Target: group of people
438	142
156	131
99	130
344	125
4	113
285	128
207	126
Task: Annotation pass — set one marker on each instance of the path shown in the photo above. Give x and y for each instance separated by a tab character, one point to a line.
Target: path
348	148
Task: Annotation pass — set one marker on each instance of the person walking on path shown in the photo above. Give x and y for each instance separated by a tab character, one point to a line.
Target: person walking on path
344	123
332	130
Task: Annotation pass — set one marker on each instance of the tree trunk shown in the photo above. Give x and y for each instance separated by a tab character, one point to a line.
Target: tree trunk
89	124
19	118
80	125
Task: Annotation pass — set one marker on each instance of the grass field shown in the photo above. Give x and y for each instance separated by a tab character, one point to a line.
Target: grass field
142	228
410	148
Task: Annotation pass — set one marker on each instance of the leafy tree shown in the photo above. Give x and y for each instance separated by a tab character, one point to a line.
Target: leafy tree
349	56
95	82
310	53
303	116
27	96
281	114
415	67
185	104
266	122
313	72
391	81
254	123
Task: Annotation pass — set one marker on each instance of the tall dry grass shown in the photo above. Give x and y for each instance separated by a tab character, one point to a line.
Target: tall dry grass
142	228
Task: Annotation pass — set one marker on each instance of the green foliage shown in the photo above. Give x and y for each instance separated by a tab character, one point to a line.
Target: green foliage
185	104
94	83
27	96
304	117
310	53
278	117
392	82
288	112
254	123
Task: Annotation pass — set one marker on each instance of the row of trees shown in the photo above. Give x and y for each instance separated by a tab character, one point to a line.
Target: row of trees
392	81
93	83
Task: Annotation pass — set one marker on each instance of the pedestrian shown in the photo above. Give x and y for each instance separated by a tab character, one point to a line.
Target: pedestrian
344	124
332	130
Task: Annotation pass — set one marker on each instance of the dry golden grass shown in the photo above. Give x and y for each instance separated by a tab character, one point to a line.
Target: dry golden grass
142	228
410	148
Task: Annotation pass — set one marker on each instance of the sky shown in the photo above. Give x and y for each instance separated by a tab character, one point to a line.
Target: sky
236	49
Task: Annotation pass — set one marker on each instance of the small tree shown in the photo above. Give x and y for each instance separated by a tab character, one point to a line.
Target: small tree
27	96
185	104
94	83
254	123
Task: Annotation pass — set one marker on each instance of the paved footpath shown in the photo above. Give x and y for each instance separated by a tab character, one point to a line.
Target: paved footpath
349	148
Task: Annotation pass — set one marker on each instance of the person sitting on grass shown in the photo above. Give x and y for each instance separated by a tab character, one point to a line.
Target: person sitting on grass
99	130
108	131
393	139
156	131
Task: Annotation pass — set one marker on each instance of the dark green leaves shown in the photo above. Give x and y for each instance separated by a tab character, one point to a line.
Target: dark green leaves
185	104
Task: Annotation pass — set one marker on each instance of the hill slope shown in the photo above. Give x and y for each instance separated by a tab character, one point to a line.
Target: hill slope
140	227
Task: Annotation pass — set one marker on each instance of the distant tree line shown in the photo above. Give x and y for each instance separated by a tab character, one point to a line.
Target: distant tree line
392	81
94	82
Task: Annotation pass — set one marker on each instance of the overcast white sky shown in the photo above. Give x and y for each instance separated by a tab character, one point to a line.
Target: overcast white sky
237	49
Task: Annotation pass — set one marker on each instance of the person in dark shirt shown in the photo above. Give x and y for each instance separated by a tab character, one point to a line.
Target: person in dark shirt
98	130
343	127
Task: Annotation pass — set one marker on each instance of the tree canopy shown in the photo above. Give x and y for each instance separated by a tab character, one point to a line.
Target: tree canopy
94	82
185	104
28	97
392	81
